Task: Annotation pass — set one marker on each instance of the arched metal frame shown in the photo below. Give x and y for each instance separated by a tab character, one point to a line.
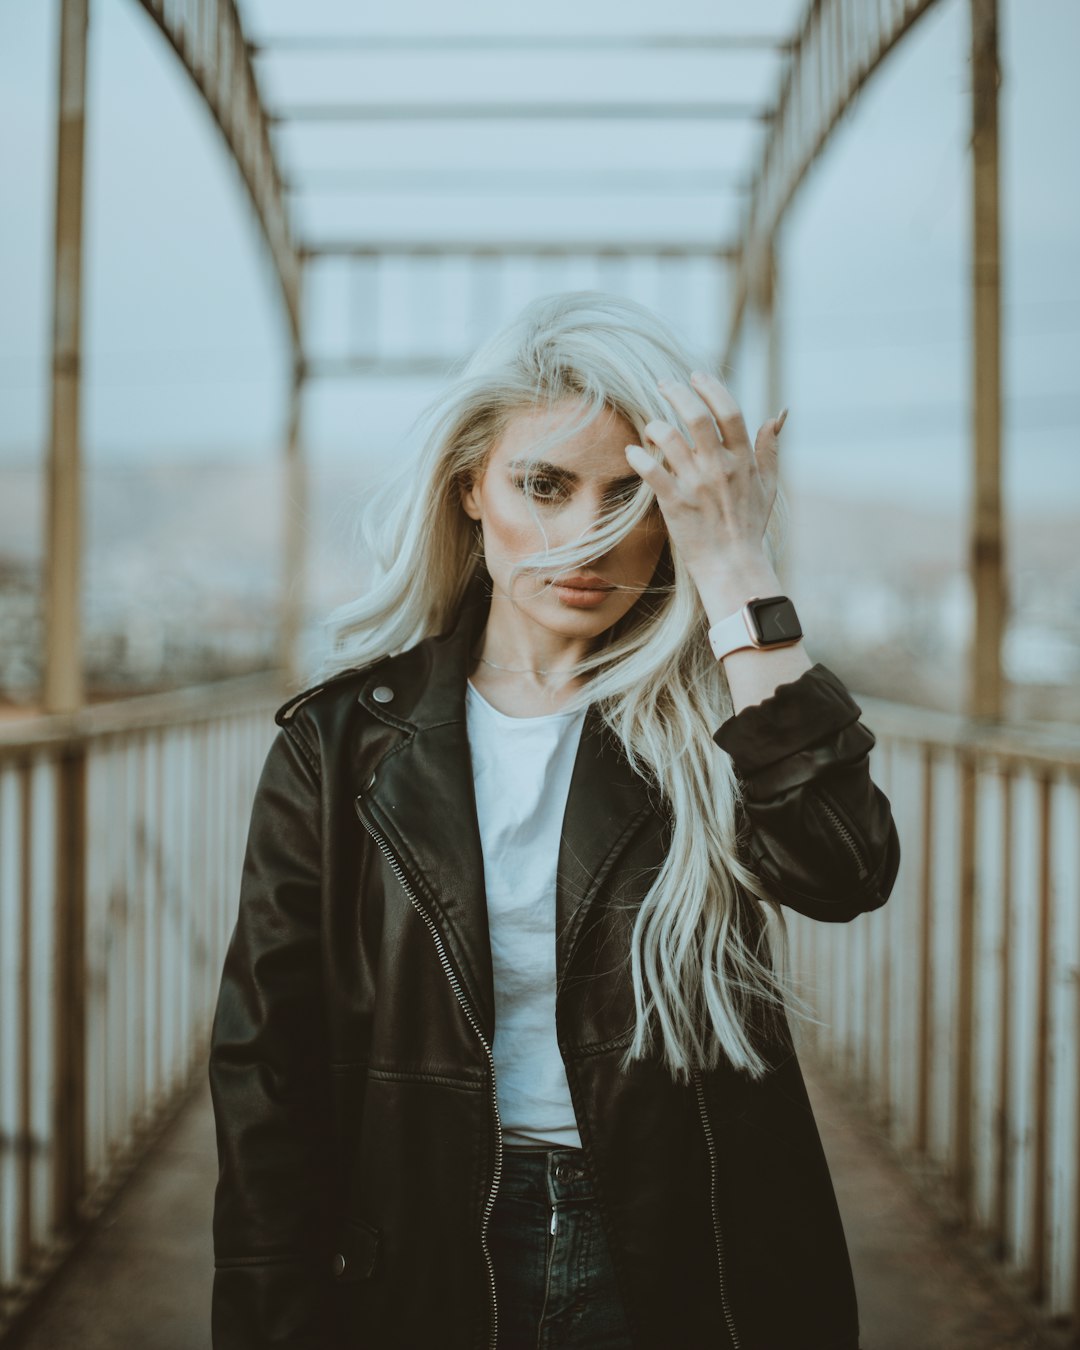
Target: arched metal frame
838	46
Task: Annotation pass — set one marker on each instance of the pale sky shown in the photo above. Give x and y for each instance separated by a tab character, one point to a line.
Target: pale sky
184	334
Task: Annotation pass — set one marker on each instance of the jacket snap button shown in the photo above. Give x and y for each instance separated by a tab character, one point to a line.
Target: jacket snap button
382	693
563	1171
339	1263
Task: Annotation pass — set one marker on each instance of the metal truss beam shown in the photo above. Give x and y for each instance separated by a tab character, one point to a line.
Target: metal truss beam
500	181
353	43
208	38
516	248
380	367
534	109
839	45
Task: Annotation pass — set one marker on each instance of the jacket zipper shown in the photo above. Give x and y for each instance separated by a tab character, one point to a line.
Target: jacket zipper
459	994
717	1233
844	833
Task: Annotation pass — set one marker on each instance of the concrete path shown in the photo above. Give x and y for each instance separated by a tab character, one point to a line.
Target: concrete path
921	1285
142	1279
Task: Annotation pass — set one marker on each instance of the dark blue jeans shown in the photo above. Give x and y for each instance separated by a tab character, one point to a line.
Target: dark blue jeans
554	1279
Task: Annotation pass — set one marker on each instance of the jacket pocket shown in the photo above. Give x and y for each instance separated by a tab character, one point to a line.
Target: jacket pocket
356	1251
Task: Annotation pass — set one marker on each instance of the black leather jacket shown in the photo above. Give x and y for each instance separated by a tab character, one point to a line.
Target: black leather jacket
351	1070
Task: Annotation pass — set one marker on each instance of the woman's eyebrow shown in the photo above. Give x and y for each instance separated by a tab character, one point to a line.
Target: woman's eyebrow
568	475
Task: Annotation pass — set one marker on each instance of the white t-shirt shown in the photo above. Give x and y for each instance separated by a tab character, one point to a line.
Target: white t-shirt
522	768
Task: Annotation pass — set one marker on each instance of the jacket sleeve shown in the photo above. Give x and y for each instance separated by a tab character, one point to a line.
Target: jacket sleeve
816	829
268	1076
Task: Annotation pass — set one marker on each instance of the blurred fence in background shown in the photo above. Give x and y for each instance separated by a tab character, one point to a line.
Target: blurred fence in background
955	1009
122	830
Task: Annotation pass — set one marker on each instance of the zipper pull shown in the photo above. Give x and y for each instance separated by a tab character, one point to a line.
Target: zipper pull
554	1214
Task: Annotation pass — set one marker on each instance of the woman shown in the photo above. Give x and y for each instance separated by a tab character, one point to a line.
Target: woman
500	1056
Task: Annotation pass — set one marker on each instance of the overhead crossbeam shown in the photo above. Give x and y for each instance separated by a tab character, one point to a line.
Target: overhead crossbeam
534	109
388	367
514	248
501	180
334	44
838	47
208	38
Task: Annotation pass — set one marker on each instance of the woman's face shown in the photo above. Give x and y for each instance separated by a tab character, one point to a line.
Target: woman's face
578	480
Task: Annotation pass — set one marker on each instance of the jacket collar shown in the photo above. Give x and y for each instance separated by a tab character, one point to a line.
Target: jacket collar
419	796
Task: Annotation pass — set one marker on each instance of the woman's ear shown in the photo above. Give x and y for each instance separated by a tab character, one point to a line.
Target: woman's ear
468	500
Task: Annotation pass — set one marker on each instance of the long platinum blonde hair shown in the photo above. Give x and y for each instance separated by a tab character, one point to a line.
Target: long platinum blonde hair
702	968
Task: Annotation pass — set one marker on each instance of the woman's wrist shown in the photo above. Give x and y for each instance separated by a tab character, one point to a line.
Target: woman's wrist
730	579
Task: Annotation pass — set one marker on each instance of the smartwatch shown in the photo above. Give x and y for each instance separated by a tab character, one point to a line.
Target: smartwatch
764	621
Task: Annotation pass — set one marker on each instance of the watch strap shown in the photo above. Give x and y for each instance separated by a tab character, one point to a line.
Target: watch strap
731	634
740	630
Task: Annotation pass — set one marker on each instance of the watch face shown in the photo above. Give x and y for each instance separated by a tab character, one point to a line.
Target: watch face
775	619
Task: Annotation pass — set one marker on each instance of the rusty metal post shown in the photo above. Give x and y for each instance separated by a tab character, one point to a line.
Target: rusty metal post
985	694
768	305
770	308
63	691
296	517
69	1099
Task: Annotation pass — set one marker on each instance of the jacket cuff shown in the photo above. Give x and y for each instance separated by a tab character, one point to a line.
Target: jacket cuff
798	714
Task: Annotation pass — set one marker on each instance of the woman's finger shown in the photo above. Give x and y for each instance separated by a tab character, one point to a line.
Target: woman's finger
697	415
650	468
766	447
672	442
726	411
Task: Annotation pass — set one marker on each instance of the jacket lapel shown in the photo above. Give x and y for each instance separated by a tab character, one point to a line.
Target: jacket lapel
606	803
420	797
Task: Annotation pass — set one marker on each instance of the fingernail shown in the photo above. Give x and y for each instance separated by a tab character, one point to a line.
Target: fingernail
780	422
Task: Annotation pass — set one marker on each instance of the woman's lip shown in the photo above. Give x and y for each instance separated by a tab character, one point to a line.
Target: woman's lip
581	596
584	585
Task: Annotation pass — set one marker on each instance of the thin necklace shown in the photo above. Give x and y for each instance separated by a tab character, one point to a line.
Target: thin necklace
522	670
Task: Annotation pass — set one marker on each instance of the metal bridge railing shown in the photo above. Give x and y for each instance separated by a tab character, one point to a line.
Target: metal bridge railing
122	831
955	1009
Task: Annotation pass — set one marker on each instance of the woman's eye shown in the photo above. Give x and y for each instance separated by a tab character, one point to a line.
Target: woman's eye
545	489
623	495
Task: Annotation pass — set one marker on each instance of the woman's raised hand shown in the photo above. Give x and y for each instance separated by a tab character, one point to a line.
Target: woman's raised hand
716	495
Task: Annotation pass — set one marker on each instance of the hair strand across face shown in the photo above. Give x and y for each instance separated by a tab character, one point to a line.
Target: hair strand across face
705	982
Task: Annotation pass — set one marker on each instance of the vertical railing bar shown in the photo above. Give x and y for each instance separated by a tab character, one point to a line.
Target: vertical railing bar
206	872
124	937
1074	1321
871	987
1004	1066
156	861
69	1011
138	895
965	986
104	1070
187	900
25	1151
926	914
170	938
887	981
1042	1050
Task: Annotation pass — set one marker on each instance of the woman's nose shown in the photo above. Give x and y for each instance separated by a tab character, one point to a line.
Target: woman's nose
590	512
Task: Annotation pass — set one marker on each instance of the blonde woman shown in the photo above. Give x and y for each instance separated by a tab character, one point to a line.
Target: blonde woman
501	1055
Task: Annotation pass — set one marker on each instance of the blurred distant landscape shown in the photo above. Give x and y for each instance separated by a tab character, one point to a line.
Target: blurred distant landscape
184	573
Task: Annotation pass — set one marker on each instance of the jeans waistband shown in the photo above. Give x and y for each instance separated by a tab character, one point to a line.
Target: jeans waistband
551	1175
